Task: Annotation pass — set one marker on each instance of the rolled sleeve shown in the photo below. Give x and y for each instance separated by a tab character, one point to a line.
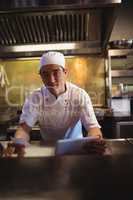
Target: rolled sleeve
88	117
30	111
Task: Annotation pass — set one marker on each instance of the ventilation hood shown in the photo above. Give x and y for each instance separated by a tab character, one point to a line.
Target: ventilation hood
28	28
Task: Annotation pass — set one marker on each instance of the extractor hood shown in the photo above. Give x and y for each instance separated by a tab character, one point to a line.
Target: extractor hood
123	27
28	28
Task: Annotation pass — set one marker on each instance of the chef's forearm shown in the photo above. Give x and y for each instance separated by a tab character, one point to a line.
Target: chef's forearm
23	132
96	132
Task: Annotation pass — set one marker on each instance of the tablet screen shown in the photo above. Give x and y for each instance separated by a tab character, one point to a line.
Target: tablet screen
72	146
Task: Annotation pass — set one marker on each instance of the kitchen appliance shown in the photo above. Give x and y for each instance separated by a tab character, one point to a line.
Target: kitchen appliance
124	129
121	107
29	28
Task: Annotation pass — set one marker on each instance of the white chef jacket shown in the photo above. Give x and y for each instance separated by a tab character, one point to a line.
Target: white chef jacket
57	115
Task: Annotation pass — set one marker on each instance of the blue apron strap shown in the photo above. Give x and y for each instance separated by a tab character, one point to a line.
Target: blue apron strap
75	131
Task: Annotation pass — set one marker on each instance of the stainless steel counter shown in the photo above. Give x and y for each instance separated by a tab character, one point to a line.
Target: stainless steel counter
67	177
114	147
35	149
72	177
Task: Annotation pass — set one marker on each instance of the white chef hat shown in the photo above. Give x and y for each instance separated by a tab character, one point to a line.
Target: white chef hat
52	57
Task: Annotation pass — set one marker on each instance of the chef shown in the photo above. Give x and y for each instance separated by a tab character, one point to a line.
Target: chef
59	107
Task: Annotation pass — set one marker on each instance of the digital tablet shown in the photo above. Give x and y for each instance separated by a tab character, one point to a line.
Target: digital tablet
72	146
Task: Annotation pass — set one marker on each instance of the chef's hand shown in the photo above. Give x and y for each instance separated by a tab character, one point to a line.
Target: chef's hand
1	150
96	146
14	149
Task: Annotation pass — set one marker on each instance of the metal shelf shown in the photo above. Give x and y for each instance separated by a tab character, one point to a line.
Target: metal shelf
120	52
122	73
118	74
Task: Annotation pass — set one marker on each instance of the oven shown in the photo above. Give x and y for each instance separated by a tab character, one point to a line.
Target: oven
124	129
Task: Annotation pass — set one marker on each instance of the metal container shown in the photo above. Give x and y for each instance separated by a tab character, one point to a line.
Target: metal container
121	44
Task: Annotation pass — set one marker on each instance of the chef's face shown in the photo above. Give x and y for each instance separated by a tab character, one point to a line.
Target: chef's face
53	76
